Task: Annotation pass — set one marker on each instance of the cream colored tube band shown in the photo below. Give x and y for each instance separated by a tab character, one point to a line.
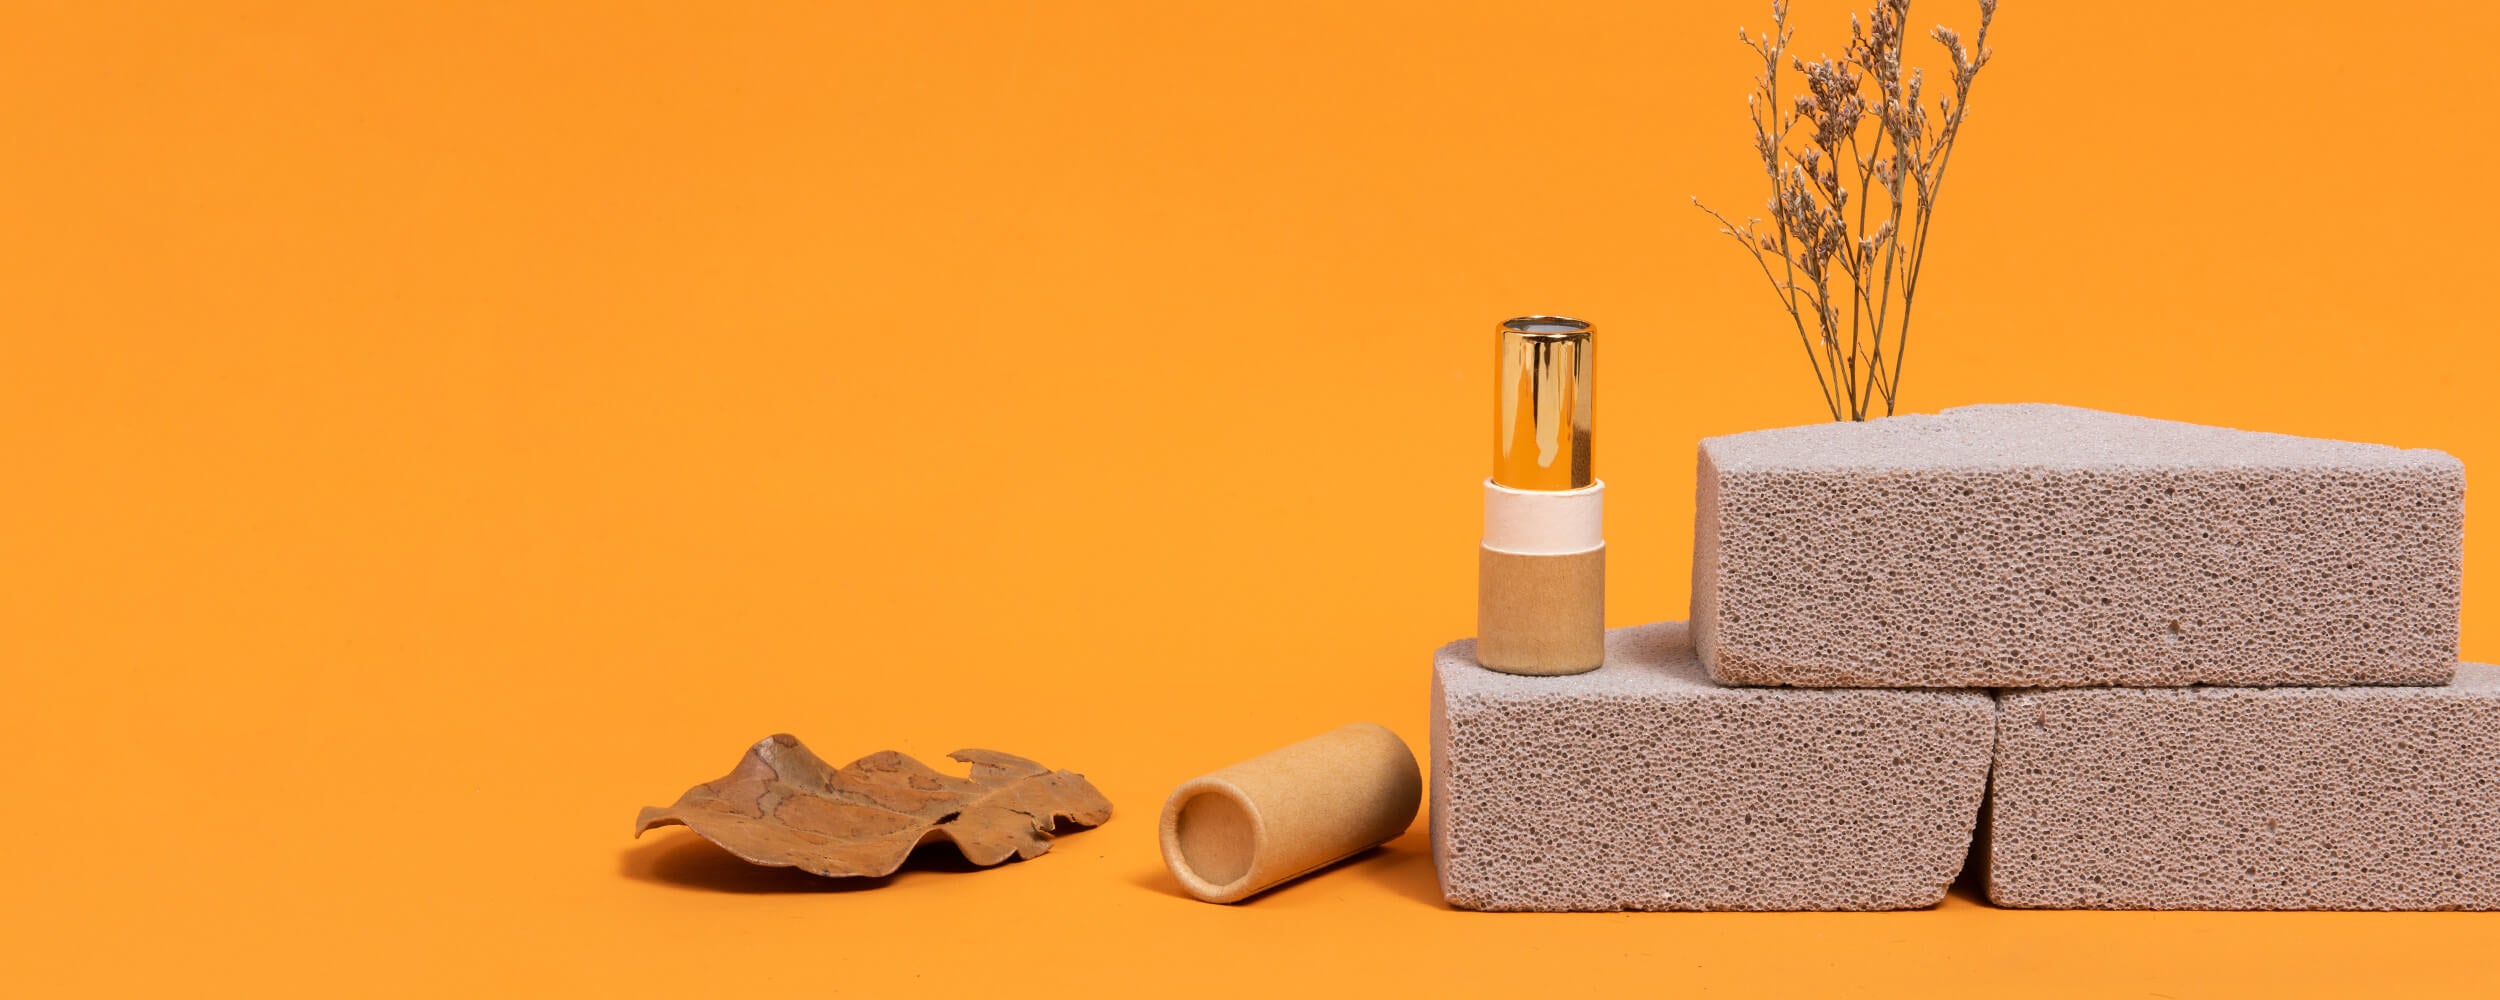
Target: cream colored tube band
1239	831
1540	523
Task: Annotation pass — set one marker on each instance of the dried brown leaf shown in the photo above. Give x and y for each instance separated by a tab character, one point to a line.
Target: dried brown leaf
783	806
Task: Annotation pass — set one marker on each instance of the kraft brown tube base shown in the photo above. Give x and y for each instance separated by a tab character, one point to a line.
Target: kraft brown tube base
1240	831
1541	614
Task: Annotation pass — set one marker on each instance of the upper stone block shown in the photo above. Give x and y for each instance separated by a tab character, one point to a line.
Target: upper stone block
2049	546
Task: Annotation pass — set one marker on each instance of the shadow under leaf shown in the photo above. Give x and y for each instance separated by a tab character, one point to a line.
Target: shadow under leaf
682	859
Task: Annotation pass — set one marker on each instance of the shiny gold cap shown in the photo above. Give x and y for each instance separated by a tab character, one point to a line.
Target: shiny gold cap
1544	395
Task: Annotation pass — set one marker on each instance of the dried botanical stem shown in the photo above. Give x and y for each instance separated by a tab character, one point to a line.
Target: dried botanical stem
1863	110
1768	137
1878	53
1966	66
1787	292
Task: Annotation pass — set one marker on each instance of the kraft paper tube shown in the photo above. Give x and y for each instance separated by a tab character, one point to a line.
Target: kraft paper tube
1541	615
1273	818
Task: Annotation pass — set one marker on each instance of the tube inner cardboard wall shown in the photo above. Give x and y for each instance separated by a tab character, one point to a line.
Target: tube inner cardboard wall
1233	833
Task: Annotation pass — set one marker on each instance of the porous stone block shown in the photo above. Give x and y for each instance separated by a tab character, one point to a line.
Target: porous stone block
2048	546
1643	785
2360	798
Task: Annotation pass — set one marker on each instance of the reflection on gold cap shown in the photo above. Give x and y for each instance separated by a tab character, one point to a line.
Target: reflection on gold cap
1545	377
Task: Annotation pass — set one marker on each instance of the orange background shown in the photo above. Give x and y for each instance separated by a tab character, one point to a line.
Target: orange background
436	432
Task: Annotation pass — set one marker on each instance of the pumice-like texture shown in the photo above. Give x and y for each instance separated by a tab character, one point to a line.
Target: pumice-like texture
2376	798
2048	546
1643	785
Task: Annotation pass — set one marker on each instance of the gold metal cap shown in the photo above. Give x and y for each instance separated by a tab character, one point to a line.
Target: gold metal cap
1544	395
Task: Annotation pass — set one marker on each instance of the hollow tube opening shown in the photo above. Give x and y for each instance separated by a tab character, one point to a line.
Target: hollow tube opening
1218	837
1548	325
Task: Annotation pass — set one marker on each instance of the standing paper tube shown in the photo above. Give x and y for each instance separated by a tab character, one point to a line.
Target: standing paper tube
1541	569
1276	817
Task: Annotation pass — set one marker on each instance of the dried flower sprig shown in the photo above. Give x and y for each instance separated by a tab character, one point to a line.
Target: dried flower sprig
1860	137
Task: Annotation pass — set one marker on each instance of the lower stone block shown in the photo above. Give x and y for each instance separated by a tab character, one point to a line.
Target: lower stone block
1643	785
2376	798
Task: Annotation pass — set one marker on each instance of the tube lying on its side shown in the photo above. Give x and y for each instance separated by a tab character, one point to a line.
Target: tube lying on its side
1234	833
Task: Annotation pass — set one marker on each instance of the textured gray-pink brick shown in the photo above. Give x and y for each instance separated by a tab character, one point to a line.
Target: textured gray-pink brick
2356	798
2048	546
1643	785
